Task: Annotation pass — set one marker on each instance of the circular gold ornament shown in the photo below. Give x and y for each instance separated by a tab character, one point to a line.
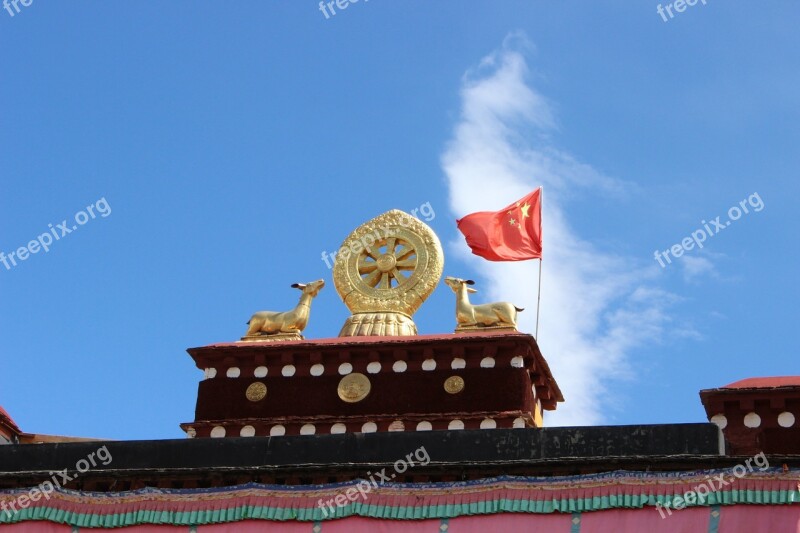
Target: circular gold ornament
454	384
393	263
256	391
354	387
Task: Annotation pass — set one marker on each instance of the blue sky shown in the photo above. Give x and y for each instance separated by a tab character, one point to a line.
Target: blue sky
235	142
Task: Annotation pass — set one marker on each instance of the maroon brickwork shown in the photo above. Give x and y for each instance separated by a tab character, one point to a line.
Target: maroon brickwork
757	414
506	381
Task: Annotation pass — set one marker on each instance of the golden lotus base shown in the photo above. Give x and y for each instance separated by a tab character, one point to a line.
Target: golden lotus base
386	324
275	337
473	329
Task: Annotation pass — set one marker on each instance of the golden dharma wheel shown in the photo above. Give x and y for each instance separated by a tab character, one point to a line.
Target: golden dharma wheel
388	263
384	271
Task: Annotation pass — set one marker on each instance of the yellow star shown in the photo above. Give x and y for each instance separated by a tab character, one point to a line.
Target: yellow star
512	221
525	210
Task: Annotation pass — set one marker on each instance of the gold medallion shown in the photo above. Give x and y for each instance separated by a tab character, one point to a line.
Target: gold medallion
454	384
256	391
354	387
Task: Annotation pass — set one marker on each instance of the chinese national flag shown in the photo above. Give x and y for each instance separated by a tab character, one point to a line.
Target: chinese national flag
511	234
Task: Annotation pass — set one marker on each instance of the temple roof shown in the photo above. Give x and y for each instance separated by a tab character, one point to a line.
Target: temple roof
765	383
6	420
464	454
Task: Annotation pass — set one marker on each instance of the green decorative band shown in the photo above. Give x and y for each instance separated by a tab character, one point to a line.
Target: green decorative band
246	512
574	495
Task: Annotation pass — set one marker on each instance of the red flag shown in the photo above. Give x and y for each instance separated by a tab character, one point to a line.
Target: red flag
511	234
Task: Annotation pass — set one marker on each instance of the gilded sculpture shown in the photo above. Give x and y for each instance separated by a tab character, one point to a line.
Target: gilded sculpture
385	270
469	317
393	263
286	325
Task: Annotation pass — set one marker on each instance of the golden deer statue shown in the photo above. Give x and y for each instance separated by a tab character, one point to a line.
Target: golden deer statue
491	315
288	323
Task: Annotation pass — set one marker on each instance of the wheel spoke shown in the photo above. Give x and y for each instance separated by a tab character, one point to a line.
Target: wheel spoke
406	264
366	266
372	252
373	278
405	252
384	284
398	277
391	242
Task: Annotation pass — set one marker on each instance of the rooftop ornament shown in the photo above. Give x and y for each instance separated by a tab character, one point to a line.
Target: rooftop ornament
481	317
396	262
287	325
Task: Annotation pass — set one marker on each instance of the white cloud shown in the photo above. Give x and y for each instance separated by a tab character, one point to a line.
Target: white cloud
696	266
596	307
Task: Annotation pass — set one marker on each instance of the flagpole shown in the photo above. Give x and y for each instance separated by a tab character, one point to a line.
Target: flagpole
538	300
539	290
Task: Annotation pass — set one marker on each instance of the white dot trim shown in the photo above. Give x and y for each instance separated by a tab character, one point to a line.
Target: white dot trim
456	424
752	420
488	423
786	419
720	420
